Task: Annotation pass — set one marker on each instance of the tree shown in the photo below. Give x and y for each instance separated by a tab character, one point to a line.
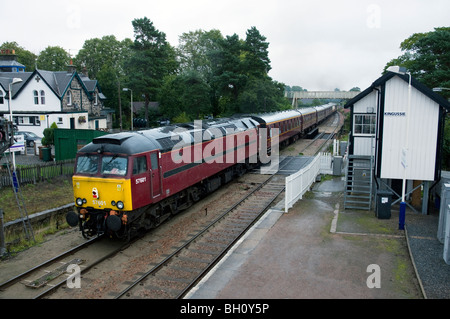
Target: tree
103	59
187	93
427	57
151	60
194	51
53	59
256	61
98	52
262	95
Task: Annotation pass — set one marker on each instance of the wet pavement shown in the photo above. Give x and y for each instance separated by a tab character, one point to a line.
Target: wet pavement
320	250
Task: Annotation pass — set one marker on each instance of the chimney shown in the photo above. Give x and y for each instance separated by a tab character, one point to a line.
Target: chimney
8	55
71	68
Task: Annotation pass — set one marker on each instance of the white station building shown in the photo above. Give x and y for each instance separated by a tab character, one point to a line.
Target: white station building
397	127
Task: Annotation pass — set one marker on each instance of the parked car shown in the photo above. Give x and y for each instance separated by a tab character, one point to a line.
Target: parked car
29	137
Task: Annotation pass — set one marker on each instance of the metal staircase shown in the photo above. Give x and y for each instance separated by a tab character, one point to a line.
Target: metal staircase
358	182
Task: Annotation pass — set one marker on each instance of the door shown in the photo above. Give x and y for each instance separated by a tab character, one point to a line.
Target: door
155	174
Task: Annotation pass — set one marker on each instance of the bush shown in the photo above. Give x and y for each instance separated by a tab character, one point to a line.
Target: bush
48	138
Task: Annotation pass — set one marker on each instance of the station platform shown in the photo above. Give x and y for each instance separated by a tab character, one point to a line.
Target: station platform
318	250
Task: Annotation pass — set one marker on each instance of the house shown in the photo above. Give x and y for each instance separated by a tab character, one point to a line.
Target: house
68	98
396	134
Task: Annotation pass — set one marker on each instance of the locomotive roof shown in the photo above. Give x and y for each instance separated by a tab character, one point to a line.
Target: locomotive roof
166	137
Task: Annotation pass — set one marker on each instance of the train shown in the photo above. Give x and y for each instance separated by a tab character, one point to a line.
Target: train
129	182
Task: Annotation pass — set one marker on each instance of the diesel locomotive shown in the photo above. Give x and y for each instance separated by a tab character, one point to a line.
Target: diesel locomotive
129	182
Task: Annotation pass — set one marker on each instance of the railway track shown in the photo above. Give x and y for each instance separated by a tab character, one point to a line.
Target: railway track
43	279
169	278
174	276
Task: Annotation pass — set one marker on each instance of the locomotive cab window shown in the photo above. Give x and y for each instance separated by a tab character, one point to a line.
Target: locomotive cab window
139	165
114	165
87	164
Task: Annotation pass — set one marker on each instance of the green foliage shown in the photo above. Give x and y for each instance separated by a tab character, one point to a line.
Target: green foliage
208	73
427	57
53	59
49	134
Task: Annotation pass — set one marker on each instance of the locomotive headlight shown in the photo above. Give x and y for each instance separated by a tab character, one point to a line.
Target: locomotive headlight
113	203
120	205
79	201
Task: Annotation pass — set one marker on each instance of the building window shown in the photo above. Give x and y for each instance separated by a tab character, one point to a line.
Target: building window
95	98
36	97
42	97
2	99
364	124
69	97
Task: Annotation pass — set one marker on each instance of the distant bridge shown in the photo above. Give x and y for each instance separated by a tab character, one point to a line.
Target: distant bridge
339	95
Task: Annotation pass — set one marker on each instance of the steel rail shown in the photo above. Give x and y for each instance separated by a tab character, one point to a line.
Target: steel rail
177	251
15	279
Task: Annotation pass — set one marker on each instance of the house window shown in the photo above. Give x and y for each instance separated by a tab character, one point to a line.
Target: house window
2	99
95	98
36	97
69	97
364	124
42	97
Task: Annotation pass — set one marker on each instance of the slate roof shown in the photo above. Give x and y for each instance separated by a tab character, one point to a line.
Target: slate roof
58	81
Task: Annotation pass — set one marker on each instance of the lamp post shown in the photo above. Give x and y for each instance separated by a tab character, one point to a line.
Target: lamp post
405	150
127	89
14	81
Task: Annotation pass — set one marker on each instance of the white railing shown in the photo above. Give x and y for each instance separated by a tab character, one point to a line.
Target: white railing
326	163
299	183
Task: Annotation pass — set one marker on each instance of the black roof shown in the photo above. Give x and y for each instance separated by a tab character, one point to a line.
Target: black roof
166	137
405	77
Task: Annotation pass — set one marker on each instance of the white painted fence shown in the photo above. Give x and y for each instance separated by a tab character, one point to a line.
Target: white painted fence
299	183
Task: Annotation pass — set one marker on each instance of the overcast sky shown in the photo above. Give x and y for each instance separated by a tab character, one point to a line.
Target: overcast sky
319	45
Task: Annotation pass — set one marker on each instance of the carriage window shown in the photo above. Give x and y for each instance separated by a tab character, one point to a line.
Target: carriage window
139	165
87	164
114	165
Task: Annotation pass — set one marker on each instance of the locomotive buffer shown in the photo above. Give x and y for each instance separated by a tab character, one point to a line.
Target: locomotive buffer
6	141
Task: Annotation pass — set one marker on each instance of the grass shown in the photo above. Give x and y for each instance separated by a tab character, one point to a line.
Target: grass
37	197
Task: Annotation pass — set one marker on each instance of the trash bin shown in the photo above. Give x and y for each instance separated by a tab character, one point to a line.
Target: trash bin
46	154
384	198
